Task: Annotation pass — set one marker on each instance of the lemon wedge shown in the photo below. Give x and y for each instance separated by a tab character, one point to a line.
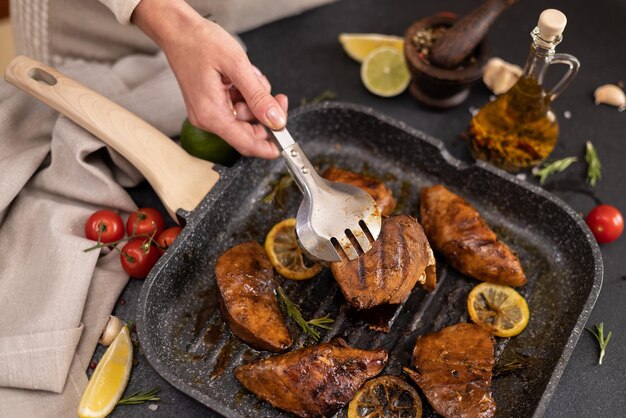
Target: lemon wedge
110	378
359	45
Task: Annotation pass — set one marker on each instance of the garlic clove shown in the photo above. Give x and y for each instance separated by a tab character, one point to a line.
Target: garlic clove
612	95
113	327
499	76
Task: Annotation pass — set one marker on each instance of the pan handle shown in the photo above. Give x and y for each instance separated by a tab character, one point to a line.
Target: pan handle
180	180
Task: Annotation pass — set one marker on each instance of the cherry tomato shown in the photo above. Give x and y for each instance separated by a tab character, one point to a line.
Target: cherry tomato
145	221
138	257
104	226
606	223
167	237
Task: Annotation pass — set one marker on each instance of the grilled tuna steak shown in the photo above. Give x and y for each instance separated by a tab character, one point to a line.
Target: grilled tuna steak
457	231
379	192
312	381
245	280
453	369
399	258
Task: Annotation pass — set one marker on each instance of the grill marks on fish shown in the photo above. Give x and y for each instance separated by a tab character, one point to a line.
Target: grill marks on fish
461	235
453	367
245	279
386	274
312	381
379	192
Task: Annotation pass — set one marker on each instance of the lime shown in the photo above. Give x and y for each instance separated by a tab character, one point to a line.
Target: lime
384	72
206	145
499	309
359	45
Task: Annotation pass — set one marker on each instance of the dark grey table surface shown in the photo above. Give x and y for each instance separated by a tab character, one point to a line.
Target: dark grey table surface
302	57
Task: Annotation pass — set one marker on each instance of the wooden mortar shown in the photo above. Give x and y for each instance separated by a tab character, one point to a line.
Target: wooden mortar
441	87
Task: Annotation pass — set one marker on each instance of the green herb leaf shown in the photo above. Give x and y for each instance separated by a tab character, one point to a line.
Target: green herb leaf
307	326
139	397
599	334
549	169
594	167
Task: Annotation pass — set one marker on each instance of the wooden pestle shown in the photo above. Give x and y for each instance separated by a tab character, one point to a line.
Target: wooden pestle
462	37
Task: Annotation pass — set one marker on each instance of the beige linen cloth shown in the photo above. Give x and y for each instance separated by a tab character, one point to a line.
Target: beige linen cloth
55	299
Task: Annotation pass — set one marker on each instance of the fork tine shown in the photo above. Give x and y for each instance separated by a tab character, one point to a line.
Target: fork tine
348	248
362	239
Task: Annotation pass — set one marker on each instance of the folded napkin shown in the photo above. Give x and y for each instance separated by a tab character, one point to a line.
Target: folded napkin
54	298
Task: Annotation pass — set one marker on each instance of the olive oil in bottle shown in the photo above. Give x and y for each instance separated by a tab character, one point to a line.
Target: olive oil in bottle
519	130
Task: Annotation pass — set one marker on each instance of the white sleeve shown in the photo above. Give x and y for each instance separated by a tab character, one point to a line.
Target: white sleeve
122	9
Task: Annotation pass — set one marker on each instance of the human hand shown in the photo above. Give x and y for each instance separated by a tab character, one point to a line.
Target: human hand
223	92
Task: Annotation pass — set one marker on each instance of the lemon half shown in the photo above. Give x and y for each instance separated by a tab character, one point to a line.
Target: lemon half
384	72
499	309
285	254
386	396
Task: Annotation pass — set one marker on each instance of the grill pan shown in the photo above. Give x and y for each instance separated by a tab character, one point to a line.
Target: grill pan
179	325
186	341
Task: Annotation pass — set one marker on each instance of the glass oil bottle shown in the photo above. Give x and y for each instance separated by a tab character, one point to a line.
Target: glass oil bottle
519	130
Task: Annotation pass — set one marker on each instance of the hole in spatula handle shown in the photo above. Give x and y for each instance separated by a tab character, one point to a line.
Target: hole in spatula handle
42	76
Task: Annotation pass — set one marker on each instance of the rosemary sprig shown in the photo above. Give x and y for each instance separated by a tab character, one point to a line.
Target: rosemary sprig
599	334
507	368
307	326
277	194
139	397
323	96
555	167
594	167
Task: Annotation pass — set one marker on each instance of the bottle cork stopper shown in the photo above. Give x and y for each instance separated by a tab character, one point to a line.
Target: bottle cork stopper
551	24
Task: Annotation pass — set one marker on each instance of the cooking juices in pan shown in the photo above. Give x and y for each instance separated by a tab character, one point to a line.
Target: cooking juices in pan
187	342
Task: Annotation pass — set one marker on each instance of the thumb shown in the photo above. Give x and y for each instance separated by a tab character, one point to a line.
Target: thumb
264	107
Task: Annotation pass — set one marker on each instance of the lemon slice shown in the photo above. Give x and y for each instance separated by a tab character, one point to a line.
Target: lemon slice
359	45
384	72
285	254
386	396
500	309
109	380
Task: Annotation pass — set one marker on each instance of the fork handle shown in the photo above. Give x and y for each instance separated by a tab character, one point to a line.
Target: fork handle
301	169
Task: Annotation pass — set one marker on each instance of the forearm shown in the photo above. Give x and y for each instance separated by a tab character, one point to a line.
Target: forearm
164	20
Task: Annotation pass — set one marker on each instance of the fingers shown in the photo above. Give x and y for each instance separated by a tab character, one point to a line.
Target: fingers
244	113
254	89
250	140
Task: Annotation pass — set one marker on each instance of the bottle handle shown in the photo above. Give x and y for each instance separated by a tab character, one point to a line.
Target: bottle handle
573	64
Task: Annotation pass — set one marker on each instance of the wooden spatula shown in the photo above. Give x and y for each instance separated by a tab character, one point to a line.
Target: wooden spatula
180	180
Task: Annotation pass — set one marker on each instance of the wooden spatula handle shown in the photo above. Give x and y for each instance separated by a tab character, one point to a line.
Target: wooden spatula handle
180	180
461	39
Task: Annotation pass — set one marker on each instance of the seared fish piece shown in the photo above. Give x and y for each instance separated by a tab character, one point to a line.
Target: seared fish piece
453	369
399	258
245	279
457	231
313	381
379	192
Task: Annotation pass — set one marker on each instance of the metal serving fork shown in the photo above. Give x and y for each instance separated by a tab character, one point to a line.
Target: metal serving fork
335	220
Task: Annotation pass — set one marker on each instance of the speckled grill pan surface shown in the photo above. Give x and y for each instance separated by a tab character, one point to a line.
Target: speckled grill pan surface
179	324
